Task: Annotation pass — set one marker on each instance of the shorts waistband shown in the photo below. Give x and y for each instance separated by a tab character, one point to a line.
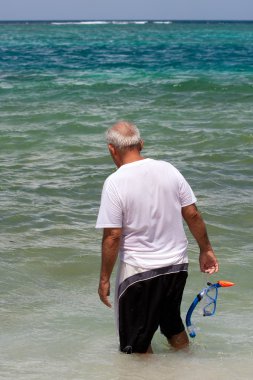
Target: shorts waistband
146	275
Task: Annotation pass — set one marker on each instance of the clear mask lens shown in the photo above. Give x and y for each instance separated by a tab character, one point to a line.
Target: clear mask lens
210	301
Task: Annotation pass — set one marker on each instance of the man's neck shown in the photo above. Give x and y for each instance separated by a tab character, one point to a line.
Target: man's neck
131	157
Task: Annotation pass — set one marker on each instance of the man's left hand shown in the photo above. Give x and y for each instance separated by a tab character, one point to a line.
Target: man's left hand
208	262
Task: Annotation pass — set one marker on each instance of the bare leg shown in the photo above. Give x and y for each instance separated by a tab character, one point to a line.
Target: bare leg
179	341
149	350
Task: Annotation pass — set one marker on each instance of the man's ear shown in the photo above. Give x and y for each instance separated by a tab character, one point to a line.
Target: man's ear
111	149
115	155
141	145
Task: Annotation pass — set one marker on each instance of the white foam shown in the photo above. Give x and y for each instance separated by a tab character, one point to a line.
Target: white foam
80	23
162	22
115	22
129	22
120	22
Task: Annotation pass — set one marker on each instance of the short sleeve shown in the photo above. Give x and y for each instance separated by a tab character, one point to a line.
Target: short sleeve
110	211
186	194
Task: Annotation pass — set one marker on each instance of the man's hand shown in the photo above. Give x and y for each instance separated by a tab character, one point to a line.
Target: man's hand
104	292
208	262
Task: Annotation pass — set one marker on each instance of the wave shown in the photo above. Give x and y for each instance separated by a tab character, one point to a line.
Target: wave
79	22
140	22
162	22
114	22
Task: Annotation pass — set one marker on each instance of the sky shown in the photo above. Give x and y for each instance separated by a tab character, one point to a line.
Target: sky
126	10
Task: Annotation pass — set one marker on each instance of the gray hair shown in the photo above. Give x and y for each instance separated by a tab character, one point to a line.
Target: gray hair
123	134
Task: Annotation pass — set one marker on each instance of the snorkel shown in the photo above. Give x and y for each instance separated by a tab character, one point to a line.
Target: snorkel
211	293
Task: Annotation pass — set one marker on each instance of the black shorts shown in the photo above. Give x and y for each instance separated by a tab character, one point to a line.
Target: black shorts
148	300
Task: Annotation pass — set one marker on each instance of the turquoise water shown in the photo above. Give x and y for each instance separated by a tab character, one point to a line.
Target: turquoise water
189	88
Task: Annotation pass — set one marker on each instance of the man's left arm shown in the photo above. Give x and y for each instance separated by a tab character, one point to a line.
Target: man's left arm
207	259
110	249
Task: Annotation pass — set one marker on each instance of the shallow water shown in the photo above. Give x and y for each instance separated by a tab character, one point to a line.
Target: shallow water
189	87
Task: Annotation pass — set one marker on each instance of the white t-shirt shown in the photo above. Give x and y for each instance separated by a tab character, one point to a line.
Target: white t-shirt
145	199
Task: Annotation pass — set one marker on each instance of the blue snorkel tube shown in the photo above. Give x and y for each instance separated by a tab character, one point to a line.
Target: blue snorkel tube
190	327
210	308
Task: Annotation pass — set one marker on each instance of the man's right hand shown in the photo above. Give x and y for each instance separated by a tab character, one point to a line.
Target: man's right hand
104	292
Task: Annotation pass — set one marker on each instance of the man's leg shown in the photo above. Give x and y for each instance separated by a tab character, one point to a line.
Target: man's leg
179	341
138	311
149	350
170	321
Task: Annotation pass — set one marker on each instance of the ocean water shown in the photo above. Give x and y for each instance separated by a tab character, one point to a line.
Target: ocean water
189	88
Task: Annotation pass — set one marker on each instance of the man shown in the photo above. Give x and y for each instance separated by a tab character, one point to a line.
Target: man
142	209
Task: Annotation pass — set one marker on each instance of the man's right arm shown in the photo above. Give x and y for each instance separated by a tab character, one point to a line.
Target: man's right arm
110	248
207	259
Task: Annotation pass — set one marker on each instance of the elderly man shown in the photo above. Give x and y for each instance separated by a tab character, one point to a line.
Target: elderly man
142	209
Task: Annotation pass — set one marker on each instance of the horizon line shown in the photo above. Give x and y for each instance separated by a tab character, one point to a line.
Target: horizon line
121	19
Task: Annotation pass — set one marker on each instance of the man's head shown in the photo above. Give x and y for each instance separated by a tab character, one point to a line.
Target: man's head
124	142
123	135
